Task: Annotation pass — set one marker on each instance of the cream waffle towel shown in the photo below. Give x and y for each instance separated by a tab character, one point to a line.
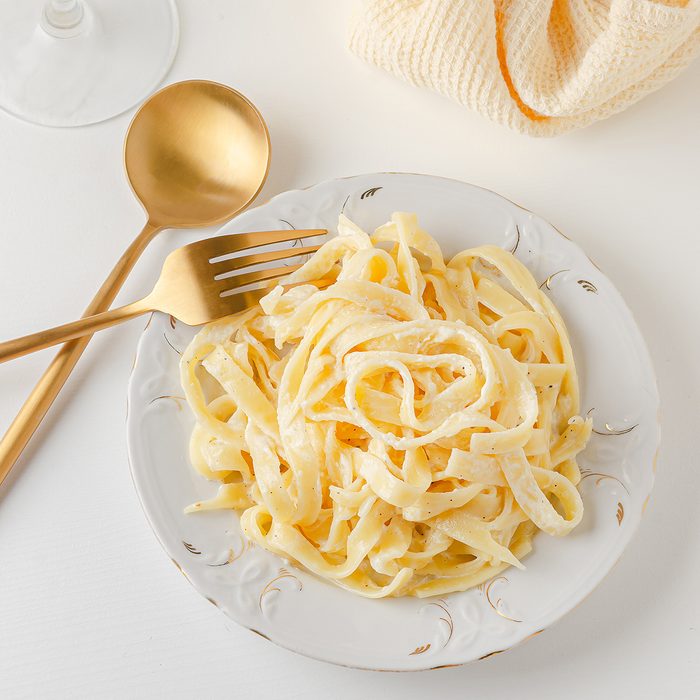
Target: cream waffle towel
542	67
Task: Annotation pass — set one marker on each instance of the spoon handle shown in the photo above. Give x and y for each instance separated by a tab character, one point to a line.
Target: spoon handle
47	388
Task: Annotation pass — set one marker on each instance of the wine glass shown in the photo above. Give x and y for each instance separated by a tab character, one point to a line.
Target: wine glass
75	62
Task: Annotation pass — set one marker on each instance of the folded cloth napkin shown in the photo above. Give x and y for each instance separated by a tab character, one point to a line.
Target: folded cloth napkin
541	67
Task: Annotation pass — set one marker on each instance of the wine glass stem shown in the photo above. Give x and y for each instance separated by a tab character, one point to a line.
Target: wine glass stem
63	18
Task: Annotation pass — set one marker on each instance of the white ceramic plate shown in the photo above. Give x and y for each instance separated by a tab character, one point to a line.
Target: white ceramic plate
296	610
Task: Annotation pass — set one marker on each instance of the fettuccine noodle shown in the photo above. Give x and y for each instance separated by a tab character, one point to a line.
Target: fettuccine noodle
404	431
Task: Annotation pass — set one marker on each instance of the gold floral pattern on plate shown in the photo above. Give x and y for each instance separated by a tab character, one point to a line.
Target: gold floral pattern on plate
547	283
609	430
517	240
270	587
600	477
172	347
584	284
421	649
370	192
191	548
232	555
178	400
497	604
588	286
446	617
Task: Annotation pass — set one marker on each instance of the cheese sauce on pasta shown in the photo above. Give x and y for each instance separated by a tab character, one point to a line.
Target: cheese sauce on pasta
403	431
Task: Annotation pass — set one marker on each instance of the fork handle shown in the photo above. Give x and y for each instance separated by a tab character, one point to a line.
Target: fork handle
11	349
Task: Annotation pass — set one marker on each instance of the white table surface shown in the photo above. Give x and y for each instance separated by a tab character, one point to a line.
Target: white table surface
90	607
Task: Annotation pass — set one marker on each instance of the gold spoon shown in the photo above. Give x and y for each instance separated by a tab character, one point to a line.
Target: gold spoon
196	154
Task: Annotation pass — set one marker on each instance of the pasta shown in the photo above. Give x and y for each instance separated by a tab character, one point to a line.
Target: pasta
405	430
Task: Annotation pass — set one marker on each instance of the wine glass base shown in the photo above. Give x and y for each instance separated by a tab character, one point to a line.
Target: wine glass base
122	53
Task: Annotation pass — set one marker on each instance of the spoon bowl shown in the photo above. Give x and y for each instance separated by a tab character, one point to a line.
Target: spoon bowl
196	153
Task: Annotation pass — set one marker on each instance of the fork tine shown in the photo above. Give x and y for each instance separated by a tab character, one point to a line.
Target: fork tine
271	273
240	301
225	268
225	245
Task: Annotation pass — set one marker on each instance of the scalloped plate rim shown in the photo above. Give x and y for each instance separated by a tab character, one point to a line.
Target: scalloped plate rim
596	575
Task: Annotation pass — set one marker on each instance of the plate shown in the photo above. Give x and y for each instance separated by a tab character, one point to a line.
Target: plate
296	610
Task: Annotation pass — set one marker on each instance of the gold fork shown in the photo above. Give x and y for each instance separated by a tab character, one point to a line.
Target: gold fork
195	286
